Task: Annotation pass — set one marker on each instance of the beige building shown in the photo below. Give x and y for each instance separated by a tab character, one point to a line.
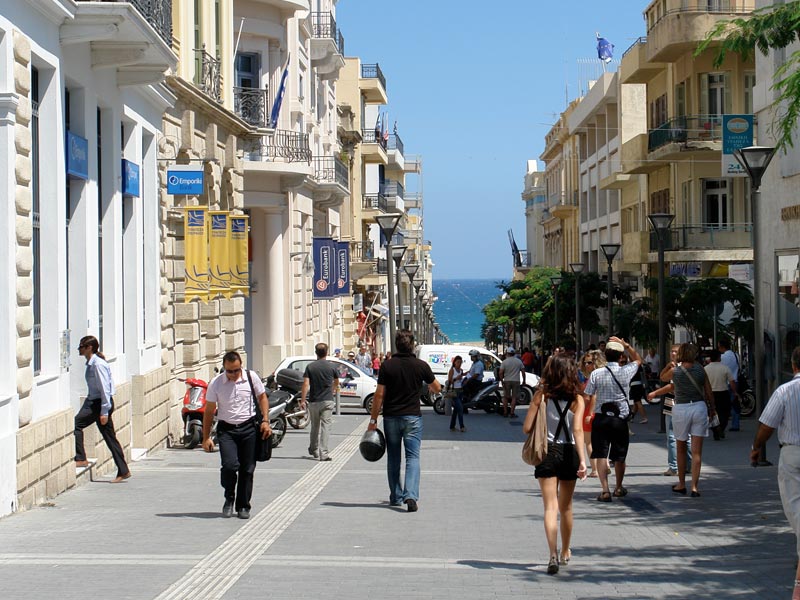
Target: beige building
534	194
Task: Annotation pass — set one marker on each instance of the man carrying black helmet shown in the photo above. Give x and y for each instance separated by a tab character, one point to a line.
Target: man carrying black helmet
399	380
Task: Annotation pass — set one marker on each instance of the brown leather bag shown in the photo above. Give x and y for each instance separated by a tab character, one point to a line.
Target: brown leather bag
534	450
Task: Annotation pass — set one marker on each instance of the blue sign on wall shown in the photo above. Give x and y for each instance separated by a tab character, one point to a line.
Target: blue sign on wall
185	181
130	178
737	133
324	268
77	156
343	280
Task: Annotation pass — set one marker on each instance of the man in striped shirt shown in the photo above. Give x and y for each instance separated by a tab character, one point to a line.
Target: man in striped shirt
783	413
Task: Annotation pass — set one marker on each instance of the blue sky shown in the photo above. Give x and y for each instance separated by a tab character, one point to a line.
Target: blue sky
474	88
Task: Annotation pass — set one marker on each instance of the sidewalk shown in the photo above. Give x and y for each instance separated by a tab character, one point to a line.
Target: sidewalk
325	530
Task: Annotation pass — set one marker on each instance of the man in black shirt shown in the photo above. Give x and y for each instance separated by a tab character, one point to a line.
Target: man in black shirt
321	379
399	380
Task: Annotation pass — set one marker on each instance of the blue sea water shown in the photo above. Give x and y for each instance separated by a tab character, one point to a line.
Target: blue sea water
459	307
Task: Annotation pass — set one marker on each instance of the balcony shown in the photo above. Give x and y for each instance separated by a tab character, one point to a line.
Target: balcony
523	260
327	45
207	74
635	246
363	262
393	190
565	207
373	84
373	146
283	153
412	200
331	170
683	135
394	149
251	105
635	66
677	26
634	156
362	251
375	202
707	236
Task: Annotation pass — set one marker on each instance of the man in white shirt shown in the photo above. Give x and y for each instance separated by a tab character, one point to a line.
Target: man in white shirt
783	413
722	385
475	374
653	362
510	370
231	393
730	360
364	360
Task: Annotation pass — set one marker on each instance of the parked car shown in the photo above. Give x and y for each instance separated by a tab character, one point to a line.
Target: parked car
357	385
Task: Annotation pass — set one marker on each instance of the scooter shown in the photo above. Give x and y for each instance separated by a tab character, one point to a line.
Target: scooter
290	382
194	406
277	421
486	397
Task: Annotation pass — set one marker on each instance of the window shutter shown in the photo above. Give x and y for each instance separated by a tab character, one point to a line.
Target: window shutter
703	93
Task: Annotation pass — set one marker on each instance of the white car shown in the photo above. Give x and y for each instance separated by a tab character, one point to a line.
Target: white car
357	386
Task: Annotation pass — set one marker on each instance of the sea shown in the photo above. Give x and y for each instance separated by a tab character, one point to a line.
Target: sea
459	306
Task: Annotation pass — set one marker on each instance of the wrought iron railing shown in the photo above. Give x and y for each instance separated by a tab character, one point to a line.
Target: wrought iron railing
694	128
375	202
523	259
329	169
281	145
324	26
208	76
393	188
719	7
373	136
362	251
706	236
251	105
158	13
641	40
373	72
395	143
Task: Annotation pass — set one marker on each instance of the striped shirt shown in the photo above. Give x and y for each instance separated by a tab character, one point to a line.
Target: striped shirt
602	385
783	412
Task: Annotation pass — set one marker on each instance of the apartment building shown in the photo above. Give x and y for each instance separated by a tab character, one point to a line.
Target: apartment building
81	105
534	194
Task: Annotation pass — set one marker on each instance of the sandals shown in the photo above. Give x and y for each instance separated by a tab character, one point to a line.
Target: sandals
620	492
552	566
564	560
679	491
695	494
604	497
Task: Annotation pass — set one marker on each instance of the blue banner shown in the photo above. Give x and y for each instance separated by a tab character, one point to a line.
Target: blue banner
130	178
77	156
324	268
343	280
737	133
182	181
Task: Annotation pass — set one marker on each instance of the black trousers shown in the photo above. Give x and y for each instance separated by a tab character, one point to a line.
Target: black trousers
722	402
90	413
237	451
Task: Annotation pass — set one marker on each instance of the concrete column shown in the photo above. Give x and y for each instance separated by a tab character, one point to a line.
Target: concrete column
275	280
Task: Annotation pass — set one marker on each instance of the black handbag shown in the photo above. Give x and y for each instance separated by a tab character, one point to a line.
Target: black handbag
263	446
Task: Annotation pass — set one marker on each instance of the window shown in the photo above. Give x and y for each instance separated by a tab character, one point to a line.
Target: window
788	317
198	59
36	239
247	70
218	28
717	205
659	201
715	96
658	112
749	84
680	100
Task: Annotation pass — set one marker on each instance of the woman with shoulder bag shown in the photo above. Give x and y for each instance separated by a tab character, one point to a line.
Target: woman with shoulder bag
565	462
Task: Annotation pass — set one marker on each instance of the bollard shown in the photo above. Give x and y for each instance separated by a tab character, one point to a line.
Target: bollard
338	402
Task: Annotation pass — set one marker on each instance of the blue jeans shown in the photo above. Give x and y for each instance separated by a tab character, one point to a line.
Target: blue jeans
458	411
672	448
735	412
407	430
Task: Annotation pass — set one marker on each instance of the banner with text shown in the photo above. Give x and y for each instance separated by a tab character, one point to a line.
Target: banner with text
239	254
343	280
324	253
195	245
737	133
219	253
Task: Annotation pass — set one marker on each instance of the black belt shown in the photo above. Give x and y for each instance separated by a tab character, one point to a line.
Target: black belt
226	425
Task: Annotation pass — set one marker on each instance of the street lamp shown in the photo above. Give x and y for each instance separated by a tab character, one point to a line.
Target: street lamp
555	281
417	283
661	222
397	256
388	223
610	251
755	160
411	270
577	269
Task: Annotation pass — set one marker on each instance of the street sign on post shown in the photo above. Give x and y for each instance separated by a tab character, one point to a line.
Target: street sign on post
737	133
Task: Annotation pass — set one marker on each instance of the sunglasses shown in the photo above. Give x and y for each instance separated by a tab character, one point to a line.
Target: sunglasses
588	362
233	371
82	346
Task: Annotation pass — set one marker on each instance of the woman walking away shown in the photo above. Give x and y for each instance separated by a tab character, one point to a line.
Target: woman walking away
455	381
98	407
694	405
589	362
565	461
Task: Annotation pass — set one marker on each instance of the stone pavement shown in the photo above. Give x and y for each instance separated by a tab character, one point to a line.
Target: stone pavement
325	530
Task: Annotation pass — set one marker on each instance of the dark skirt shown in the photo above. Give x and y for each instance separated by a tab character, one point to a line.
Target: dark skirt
562	461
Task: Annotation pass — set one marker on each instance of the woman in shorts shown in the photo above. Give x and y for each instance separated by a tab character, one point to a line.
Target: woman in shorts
560	390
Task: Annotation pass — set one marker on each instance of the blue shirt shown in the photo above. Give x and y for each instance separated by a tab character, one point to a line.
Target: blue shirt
476	371
99	383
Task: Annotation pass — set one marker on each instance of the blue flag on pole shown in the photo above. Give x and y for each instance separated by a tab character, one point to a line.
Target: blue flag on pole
605	50
276	107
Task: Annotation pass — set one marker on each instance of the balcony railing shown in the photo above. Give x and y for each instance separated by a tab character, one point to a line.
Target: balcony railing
373	136
324	26
375	202
393	188
714	7
329	169
680	130
362	251
395	143
373	72
382	266
522	259
641	40
289	146
158	13
208	76
251	105
706	236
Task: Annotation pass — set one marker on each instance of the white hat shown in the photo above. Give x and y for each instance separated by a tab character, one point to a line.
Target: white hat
615	346
510	350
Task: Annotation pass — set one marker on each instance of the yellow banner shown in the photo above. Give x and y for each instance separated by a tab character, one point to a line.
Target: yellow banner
239	254
195	249
218	253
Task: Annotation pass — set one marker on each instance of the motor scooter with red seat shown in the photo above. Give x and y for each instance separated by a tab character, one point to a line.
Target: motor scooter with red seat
192	412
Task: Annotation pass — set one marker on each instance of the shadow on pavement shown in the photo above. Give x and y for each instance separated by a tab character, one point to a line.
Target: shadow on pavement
196	515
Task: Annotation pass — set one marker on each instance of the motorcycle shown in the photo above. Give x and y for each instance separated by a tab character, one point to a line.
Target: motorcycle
486	396
194	406
286	385
277	421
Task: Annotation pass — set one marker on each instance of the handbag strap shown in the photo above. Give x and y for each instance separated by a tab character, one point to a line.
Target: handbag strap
256	407
694	383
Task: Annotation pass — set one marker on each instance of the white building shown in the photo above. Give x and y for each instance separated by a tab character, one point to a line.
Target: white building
534	194
81	101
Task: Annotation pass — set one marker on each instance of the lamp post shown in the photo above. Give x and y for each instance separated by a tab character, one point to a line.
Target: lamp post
411	270
417	283
388	223
555	281
610	251
755	160
397	256
661	222
577	269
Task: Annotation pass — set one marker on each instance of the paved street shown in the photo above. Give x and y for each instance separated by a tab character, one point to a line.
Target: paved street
325	530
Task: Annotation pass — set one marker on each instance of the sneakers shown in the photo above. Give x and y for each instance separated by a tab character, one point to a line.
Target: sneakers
314	453
412	505
669	473
244	513
227	509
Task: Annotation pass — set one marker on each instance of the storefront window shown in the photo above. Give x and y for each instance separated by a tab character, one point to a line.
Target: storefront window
788	311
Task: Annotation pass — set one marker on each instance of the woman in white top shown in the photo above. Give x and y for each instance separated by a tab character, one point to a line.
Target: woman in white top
565	461
455	381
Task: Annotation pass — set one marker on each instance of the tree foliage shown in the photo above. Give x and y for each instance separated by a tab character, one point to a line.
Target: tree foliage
770	28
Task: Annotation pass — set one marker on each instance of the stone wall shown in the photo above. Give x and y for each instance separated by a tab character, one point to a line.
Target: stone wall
151	405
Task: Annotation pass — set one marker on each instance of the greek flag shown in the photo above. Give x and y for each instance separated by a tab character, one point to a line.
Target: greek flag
276	107
605	49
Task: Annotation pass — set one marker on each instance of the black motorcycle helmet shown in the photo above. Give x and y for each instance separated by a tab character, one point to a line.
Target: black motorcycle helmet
373	445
